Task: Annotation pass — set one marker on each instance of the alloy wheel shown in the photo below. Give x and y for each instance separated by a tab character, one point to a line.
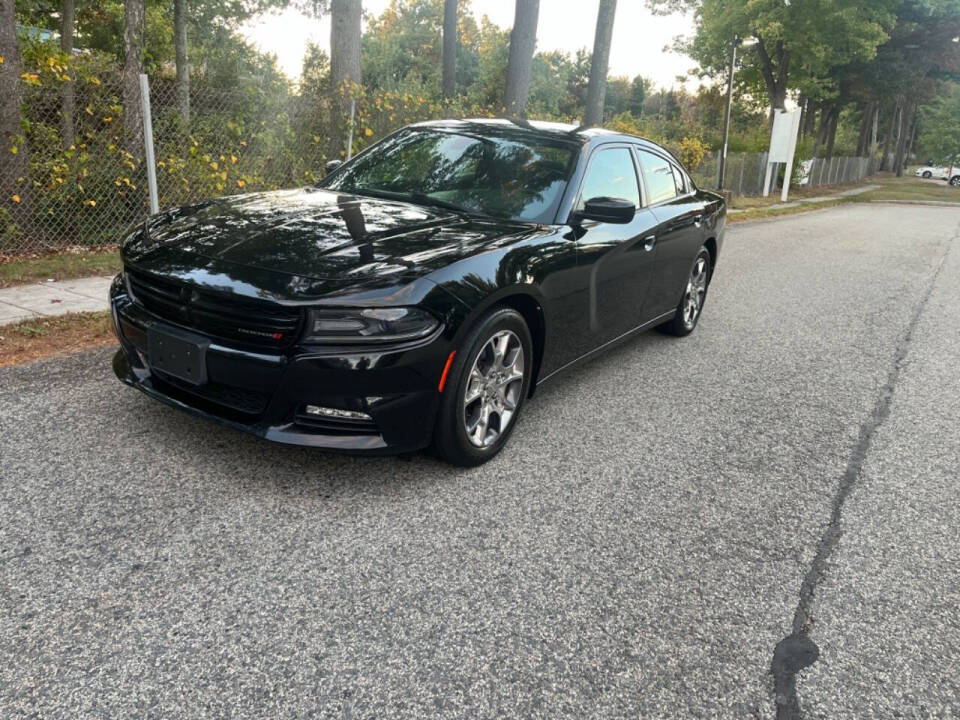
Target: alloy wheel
696	291
493	389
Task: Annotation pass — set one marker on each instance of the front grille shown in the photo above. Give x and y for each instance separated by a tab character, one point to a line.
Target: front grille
249	322
240	400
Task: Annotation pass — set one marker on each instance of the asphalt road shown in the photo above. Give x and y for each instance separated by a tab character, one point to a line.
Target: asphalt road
663	519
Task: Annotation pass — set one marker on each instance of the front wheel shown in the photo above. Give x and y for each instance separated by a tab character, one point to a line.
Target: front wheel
488	382
927	175
694	297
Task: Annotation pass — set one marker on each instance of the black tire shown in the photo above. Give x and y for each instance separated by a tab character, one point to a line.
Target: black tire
681	326
955	181
450	438
927	175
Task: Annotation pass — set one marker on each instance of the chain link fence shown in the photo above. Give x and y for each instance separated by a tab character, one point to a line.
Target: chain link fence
84	190
746	172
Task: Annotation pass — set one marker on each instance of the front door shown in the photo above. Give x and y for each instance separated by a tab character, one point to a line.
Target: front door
617	259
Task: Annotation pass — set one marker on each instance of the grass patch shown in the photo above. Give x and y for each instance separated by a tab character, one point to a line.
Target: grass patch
38	338
761	212
911	189
19	270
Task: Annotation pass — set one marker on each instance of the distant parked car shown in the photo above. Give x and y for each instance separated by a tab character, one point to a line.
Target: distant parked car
933	171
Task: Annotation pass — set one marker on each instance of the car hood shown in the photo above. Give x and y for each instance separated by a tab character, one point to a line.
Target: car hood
316	235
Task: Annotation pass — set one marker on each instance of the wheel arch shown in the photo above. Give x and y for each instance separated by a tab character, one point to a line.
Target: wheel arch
524	300
711	245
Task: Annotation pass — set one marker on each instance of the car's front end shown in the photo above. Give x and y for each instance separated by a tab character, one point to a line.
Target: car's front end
352	363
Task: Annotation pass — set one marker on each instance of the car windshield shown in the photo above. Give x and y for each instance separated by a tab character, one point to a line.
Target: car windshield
503	175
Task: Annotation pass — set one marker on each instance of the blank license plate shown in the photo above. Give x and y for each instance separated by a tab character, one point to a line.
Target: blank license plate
180	354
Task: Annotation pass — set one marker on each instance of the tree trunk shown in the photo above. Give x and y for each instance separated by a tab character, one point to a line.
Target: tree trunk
875	123
884	161
911	139
810	119
821	138
132	46
449	48
600	63
905	130
864	136
67	89
14	166
802	103
183	67
774	75
832	132
345	16
523	40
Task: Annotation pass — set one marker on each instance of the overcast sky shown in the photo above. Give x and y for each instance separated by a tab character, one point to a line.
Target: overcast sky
638	37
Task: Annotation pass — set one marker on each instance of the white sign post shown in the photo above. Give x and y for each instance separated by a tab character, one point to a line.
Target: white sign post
783	148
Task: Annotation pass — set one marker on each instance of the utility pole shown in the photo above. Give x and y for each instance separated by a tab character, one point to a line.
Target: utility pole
726	118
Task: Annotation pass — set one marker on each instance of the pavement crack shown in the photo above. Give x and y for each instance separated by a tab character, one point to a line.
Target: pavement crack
797	651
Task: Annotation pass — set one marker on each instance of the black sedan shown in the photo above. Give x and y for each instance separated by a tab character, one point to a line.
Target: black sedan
420	293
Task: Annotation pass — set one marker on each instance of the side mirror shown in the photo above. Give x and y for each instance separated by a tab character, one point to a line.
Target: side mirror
331	166
609	210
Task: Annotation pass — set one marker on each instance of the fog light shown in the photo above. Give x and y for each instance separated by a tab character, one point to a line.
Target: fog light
335	413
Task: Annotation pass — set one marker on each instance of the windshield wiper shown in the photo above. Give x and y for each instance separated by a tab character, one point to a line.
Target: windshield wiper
424	199
418	198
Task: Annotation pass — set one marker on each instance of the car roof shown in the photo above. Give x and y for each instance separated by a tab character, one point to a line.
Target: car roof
542	128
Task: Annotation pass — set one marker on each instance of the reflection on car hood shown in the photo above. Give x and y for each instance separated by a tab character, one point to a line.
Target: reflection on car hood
321	235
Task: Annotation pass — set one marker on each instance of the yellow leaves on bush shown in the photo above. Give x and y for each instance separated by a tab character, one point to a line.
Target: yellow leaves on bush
241	183
1	59
692	151
30	78
88	110
215	165
243	143
91	203
14	149
108	119
233	159
15	198
368	132
94	80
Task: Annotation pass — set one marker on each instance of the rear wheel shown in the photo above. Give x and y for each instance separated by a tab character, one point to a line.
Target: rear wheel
955	181
488	383
694	296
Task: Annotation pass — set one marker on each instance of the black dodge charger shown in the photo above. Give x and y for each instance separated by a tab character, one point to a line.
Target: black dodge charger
420	293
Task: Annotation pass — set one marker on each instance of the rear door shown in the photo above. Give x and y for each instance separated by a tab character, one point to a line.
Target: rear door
616	259
679	215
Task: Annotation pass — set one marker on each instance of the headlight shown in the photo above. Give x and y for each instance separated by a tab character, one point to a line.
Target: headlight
369	325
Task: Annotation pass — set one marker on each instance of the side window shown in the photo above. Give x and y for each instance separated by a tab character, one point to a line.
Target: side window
680	180
611	174
661	183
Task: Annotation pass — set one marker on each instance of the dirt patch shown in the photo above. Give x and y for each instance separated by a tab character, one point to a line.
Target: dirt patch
59	336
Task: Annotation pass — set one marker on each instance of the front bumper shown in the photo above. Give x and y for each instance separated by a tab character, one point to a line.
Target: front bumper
264	394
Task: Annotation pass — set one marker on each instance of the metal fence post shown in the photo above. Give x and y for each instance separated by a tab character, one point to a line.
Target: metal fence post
148	143
743	164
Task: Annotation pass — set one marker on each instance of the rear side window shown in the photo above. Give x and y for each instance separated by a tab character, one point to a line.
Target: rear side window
661	183
611	174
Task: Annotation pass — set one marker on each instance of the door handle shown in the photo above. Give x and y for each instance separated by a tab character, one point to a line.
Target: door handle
649	242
